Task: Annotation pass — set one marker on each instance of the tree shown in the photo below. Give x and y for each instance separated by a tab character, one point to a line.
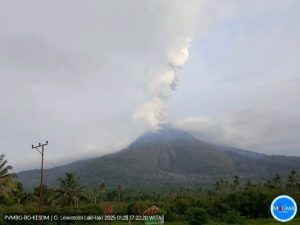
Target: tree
277	181
293	181
70	190
18	193
196	216
180	205
221	187
7	183
234	217
251	202
98	193
235	184
48	194
217	188
94	195
119	190
275	184
249	184
29	197
102	190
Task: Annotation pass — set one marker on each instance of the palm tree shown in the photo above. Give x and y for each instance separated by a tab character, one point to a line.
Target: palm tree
70	190
7	183
29	197
236	183
277	181
293	181
18	193
119	190
221	187
102	190
217	188
94	195
48	195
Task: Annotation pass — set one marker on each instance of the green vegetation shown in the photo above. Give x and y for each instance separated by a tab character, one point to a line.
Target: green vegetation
169	158
234	217
70	191
196	216
227	202
7	183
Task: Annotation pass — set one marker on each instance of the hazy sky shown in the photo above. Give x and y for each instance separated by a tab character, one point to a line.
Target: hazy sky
91	76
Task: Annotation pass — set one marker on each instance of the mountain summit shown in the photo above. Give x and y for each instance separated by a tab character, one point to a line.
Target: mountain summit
167	158
165	134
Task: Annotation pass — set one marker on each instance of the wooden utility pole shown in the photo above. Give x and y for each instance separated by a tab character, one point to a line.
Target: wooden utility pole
41	151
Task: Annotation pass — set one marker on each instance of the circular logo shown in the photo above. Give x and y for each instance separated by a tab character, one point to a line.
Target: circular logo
284	208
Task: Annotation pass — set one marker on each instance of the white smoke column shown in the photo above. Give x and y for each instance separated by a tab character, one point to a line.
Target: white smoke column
192	19
154	111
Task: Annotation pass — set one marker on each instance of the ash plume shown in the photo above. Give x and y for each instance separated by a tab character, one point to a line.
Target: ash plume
154	112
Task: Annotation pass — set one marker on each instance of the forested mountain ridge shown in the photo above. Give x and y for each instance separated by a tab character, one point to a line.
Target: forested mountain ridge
166	158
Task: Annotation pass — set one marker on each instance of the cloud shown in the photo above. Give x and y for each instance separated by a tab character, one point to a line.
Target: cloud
76	74
268	132
243	86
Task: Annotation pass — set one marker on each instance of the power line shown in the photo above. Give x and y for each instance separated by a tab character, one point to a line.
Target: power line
29	138
4	133
18	133
13	139
41	151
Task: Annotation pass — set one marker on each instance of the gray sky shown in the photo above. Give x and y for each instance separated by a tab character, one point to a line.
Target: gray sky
91	76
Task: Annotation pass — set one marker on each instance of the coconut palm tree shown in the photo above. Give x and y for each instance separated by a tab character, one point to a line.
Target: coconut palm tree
277	181
119	190
217	187
293	181
70	190
235	184
102	190
7	183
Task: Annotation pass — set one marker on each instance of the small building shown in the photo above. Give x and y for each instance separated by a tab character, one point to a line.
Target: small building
154	216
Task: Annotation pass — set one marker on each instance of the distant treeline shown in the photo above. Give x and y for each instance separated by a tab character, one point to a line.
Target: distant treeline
231	201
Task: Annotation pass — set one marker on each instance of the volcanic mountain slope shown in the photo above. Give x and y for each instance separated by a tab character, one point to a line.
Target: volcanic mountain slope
169	158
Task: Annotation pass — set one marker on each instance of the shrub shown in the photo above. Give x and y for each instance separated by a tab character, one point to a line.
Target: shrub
196	216
234	217
169	215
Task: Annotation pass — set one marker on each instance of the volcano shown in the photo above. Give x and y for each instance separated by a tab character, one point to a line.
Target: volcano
169	158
